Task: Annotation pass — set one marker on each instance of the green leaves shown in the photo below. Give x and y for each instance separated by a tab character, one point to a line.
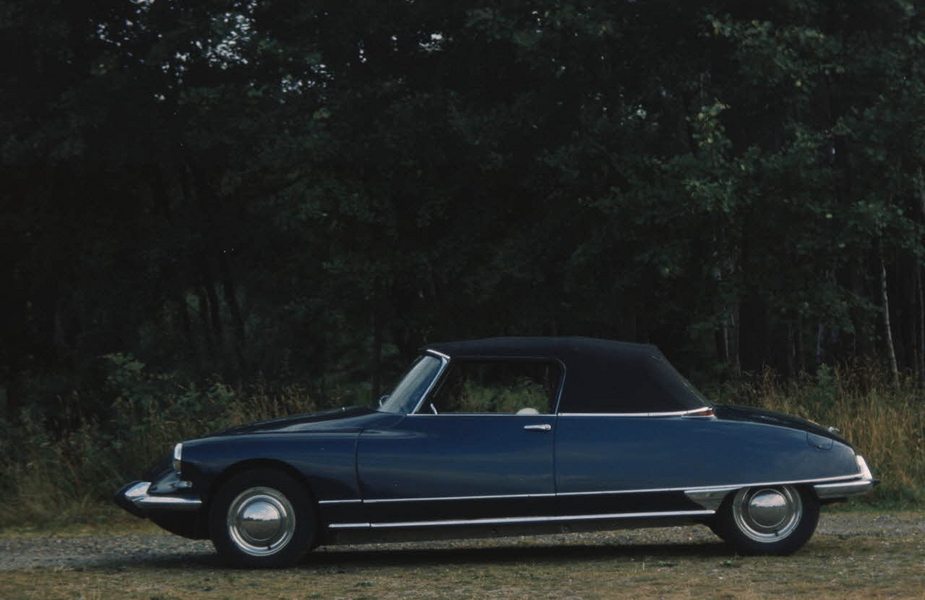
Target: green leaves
268	186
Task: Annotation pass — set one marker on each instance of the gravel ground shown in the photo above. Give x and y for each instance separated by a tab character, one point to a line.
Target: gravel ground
120	550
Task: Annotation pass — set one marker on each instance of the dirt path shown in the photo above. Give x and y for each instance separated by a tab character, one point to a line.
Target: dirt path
115	550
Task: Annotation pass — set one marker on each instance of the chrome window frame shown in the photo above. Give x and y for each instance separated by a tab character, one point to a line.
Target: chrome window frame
694	412
444	361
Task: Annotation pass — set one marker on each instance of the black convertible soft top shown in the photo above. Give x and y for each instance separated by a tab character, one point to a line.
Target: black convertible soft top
601	376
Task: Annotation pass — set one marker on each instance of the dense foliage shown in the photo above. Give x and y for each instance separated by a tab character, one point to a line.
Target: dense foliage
308	191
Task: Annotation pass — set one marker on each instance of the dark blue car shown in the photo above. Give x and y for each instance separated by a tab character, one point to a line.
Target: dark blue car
506	436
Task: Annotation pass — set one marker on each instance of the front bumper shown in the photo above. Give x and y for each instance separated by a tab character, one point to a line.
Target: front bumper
135	498
846	489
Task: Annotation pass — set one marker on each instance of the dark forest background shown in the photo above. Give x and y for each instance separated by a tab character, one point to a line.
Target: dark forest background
282	191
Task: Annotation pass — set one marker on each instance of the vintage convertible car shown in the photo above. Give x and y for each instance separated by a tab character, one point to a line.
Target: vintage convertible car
505	436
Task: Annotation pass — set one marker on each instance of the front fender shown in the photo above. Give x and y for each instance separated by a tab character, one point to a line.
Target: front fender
325	461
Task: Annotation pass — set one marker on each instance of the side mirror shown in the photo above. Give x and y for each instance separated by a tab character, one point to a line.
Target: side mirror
382	399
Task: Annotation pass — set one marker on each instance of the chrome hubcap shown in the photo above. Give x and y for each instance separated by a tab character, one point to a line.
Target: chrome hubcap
261	521
767	514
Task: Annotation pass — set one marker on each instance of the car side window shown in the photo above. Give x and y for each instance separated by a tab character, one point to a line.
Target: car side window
496	387
645	384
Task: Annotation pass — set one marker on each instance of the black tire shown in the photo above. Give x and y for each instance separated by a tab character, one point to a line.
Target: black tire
262	518
775	520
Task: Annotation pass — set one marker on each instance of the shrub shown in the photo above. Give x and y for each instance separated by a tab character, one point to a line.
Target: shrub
56	474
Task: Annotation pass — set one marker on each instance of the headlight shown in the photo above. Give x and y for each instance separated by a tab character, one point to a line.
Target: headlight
177	457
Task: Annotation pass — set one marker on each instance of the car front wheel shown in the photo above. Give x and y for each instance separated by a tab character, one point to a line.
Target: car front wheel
262	518
776	519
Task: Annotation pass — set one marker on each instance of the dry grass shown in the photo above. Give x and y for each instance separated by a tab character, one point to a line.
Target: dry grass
885	423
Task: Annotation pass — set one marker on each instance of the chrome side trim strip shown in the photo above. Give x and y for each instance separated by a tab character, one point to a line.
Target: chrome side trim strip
517	520
676	413
705	488
444	498
618	492
689	490
138	494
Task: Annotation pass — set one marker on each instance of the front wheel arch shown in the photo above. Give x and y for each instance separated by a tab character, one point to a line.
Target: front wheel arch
212	487
262	517
253	464
769	520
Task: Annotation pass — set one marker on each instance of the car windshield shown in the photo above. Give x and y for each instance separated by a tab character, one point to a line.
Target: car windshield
406	395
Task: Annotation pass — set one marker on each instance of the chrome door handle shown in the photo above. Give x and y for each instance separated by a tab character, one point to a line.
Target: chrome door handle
543	427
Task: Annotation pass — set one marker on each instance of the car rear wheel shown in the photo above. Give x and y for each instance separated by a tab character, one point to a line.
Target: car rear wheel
776	519
262	518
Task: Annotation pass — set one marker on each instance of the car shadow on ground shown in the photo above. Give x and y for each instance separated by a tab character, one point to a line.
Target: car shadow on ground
338	559
554	553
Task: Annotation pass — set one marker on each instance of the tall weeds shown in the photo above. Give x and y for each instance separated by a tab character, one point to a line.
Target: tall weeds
885	422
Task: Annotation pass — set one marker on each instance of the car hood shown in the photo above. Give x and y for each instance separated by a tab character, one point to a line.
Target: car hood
731	412
338	418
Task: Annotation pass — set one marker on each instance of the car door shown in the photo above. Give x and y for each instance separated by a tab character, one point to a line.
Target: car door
479	447
625	464
630	439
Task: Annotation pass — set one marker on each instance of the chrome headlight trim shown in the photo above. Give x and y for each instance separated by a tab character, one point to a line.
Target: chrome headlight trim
863	468
177	457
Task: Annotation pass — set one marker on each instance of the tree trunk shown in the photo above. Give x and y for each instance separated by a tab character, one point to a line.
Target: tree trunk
920	350
377	351
818	352
918	278
791	350
234	308
721	338
888	333
186	326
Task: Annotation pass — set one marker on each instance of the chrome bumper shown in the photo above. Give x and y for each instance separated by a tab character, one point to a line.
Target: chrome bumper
135	498
846	489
